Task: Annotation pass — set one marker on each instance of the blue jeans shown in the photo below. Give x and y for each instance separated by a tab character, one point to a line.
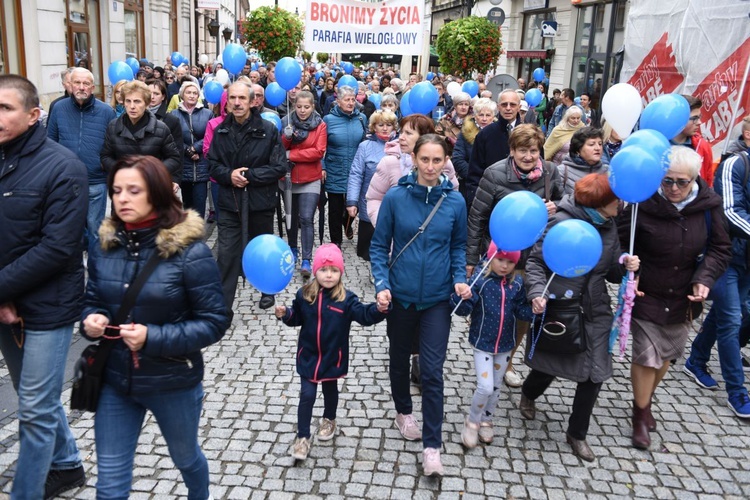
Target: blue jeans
97	211
722	327
303	210
118	423
307	394
195	195
433	327
37	370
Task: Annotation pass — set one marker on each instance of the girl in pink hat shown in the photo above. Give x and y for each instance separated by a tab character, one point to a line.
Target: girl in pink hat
325	311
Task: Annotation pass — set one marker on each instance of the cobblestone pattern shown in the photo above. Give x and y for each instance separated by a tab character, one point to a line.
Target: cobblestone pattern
700	450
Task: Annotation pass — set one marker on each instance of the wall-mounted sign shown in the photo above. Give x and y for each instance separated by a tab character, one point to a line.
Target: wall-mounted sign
549	29
535	4
209	4
496	15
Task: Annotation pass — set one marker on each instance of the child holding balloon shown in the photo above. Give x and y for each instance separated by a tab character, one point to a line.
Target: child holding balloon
325	311
498	298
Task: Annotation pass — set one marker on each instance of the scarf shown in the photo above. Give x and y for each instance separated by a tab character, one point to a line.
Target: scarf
154	109
578	160
597	219
300	128
148	222
530	176
360	98
406	164
682	204
612	148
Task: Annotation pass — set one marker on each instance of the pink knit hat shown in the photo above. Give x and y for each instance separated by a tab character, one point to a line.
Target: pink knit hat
328	255
514	257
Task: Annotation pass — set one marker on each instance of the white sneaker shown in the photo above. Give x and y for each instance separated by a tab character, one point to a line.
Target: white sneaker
513	379
470	434
431	463
301	448
326	430
486	433
409	427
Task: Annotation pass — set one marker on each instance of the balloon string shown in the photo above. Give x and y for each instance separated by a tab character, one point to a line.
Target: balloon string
480	273
633	219
546	287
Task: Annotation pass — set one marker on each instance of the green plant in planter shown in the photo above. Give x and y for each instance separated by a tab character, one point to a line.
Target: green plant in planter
469	44
322	57
273	32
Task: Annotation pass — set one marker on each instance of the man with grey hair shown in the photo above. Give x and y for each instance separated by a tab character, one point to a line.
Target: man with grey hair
260	98
65	78
41	287
80	124
246	159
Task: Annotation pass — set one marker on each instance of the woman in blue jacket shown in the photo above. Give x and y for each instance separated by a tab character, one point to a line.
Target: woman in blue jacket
347	127
418	278
194	118
156	364
369	153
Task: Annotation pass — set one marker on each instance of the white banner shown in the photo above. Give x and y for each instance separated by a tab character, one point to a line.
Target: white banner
386	27
209	4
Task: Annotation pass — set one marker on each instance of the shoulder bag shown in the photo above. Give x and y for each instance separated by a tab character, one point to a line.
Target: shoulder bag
87	376
420	231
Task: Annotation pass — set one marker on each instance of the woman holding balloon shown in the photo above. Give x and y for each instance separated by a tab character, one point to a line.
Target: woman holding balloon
682	235
586	241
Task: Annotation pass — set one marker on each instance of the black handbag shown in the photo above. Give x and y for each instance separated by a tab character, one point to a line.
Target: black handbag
89	369
561	328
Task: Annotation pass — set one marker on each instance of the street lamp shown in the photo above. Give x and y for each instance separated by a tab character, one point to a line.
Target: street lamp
227	32
213	30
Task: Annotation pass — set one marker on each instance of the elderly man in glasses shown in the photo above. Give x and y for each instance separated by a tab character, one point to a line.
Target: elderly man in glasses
692	138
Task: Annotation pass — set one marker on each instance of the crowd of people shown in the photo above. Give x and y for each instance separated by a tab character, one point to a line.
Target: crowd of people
417	192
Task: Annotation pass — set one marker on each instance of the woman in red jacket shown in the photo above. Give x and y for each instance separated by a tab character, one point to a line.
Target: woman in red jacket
305	138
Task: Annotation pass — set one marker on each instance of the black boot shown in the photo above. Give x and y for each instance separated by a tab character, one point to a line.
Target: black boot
61	480
641	438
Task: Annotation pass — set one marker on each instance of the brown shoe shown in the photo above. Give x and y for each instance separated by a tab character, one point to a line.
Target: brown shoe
641	439
650	420
580	448
527	407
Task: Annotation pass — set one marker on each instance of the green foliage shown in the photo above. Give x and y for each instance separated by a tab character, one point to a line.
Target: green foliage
469	44
306	56
273	32
322	57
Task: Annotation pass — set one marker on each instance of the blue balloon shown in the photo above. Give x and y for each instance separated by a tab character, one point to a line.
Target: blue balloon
404	105
423	97
273	118
134	64
572	248
577	100
176	58
275	95
430	75
518	220
347	67
539	75
376	99
288	73
319	75
667	113
652	141
472	88
234	58
119	70
533	97
254	66
348	81
635	174
268	263
213	91
546	82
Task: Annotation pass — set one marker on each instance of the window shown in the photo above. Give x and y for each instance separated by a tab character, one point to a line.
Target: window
134	28
532	31
83	40
11	38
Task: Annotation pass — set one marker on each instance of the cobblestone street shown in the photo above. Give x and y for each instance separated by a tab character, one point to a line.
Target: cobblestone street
700	450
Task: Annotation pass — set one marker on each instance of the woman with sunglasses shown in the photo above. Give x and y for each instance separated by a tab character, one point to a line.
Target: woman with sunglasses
682	237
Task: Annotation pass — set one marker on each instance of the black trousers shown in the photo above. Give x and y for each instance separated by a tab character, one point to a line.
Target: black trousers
583	402
337	217
364	238
231	248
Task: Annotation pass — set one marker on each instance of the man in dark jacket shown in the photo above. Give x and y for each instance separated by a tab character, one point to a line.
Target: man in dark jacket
491	144
79	124
43	203
246	159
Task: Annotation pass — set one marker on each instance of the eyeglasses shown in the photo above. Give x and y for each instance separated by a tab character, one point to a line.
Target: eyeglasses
695	118
508	105
668	182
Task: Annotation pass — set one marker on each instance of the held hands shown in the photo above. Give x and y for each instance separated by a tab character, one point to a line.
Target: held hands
469	271
280	311
8	314
352	211
95	324
384	299
134	335
323	177
238	179
538	305
700	293
462	290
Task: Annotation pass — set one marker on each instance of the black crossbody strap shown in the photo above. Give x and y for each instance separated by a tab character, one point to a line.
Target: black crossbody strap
420	231
128	301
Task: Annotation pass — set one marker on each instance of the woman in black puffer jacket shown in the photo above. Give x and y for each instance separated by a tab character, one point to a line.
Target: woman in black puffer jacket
156	364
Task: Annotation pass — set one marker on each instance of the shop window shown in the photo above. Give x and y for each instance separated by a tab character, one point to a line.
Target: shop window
11	38
83	40
134	42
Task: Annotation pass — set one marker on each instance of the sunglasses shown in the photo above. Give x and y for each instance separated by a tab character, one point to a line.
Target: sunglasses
668	182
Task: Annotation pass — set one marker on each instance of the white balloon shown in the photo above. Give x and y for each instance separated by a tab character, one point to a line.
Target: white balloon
203	59
496	2
453	88
222	76
621	107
